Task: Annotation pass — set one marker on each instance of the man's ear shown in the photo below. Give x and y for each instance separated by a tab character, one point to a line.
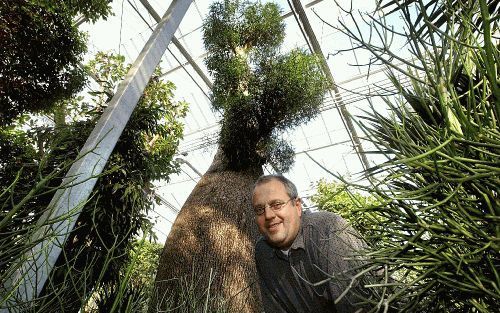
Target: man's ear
298	204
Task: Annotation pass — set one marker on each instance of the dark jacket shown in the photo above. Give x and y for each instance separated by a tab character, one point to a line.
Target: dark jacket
317	270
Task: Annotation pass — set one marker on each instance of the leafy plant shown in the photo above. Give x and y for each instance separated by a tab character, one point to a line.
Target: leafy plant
437	228
40	53
39	58
132	290
97	249
259	91
339	198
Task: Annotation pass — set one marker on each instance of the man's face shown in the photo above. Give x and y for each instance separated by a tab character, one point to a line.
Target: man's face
282	226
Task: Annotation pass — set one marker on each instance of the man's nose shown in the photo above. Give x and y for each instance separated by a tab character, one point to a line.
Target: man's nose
269	213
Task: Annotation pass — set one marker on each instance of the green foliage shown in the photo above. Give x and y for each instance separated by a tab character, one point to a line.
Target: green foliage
112	298
146	256
40	53
144	152
233	29
97	249
90	9
438	190
349	204
20	185
259	91
157	117
39	58
441	12
134	287
17	152
187	297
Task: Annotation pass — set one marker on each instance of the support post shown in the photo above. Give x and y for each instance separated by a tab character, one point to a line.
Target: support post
179	46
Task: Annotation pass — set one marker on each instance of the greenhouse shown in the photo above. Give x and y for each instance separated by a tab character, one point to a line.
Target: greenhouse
249	156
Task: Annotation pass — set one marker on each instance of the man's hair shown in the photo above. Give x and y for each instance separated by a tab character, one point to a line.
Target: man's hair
290	188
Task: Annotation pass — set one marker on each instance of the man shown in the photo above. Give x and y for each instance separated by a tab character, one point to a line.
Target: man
301	258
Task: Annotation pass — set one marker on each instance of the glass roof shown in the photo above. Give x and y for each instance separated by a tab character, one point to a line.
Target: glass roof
321	146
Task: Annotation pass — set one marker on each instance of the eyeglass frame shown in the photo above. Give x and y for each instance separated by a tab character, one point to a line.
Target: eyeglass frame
275	207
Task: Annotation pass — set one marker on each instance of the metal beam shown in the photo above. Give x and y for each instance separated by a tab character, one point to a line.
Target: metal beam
344	113
179	46
310	4
56	223
181	160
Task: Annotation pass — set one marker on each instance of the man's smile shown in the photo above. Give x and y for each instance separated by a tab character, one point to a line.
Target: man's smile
273	226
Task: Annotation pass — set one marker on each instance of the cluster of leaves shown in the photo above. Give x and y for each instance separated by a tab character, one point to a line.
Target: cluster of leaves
259	91
40	53
349	204
97	249
437	231
33	79
89	9
135	285
113	217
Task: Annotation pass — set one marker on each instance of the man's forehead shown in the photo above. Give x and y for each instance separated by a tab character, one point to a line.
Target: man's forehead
269	187
268	183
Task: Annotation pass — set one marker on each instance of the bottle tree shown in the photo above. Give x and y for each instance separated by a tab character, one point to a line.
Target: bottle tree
208	258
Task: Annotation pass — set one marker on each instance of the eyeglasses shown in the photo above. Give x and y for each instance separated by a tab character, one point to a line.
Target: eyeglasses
275	206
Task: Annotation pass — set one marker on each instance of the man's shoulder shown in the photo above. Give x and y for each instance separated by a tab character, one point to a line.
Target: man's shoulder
262	248
323	219
321	225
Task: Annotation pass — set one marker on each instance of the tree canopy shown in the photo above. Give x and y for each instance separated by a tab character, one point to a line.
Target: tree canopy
33	79
259	91
40	53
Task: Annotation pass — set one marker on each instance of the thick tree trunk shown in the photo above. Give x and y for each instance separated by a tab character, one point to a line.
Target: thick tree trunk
211	244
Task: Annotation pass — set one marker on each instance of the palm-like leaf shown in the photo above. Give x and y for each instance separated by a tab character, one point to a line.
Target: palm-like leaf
439	212
438	12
